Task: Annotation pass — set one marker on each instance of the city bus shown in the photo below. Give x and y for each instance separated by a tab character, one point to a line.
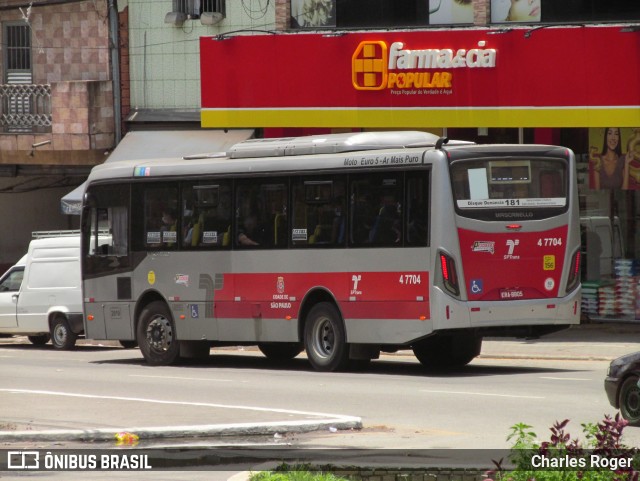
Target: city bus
342	246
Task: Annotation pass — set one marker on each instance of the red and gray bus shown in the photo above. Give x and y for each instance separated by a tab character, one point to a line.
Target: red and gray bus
343	246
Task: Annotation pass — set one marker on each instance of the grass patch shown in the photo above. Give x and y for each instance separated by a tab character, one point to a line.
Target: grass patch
294	476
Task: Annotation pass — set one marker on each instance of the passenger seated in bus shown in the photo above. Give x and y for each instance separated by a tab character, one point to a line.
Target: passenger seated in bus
338	225
417	229
362	219
192	229
249	234
386	229
169	227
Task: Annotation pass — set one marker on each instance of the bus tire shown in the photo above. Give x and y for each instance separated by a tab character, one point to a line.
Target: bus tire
40	340
280	351
156	335
62	337
325	339
629	400
446	352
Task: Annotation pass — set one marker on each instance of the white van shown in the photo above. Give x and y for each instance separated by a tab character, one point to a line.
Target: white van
41	296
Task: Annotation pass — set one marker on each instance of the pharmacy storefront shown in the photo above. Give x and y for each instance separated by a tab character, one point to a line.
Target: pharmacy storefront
577	86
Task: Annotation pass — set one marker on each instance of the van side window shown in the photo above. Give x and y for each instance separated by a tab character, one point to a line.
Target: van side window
13	281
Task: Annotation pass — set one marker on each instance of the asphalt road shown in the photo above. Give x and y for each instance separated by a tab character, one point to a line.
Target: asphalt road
102	390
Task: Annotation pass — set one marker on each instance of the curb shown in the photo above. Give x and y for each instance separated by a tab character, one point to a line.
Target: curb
239	429
547	357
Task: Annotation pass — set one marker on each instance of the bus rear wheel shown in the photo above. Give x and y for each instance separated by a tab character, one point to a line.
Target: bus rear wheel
280	351
448	351
324	338
156	335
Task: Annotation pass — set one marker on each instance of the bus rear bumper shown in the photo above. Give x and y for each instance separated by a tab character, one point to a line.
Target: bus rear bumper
542	312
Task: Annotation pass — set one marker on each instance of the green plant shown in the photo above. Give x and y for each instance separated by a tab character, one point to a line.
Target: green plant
294	473
562	458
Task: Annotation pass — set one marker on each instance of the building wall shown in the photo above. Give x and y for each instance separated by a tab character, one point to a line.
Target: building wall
165	59
70	40
70	52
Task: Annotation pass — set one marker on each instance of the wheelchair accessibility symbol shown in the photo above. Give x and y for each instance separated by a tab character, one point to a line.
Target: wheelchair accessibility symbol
193	308
476	286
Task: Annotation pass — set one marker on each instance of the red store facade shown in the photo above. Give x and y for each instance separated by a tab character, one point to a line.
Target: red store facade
573	85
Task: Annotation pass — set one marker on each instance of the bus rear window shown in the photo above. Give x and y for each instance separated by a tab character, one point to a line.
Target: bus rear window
510	189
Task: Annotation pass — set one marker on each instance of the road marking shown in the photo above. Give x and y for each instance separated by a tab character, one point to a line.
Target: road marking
185	378
565	378
483	394
182	403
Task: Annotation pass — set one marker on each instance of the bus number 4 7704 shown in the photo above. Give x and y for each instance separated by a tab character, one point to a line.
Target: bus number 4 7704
410	279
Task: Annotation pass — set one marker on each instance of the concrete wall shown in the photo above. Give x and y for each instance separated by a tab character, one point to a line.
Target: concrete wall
165	59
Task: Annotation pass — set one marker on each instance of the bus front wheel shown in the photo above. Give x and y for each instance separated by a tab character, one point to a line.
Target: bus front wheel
447	351
324	338
156	335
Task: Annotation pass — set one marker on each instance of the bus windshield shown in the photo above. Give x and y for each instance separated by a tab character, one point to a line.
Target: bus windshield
488	189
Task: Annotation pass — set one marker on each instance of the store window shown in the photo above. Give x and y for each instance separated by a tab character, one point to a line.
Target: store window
360	13
609	220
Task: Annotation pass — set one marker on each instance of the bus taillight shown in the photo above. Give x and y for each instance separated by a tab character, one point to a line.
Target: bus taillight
574	273
449	274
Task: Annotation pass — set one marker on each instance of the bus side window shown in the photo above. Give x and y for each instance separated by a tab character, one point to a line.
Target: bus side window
417	211
261	214
161	226
106	228
376	210
318	211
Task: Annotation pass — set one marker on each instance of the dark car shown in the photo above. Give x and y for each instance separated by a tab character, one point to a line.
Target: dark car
621	386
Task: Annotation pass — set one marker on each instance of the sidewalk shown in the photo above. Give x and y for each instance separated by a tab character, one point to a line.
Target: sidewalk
589	342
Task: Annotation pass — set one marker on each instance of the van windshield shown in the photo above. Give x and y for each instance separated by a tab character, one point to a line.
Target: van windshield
514	189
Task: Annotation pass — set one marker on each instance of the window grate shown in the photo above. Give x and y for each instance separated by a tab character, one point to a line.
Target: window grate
18	42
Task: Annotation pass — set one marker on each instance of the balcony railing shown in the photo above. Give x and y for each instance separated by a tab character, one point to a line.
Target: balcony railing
25	108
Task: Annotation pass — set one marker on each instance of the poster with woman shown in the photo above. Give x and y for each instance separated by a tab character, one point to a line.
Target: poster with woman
614	158
524	11
313	13
448	12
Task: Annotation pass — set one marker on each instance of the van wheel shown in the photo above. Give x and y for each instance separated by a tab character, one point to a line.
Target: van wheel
39	340
156	335
62	337
324	338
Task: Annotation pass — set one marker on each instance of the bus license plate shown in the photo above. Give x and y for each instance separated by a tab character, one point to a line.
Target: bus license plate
511	294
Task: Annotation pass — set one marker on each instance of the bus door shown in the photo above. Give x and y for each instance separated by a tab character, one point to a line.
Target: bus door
106	263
